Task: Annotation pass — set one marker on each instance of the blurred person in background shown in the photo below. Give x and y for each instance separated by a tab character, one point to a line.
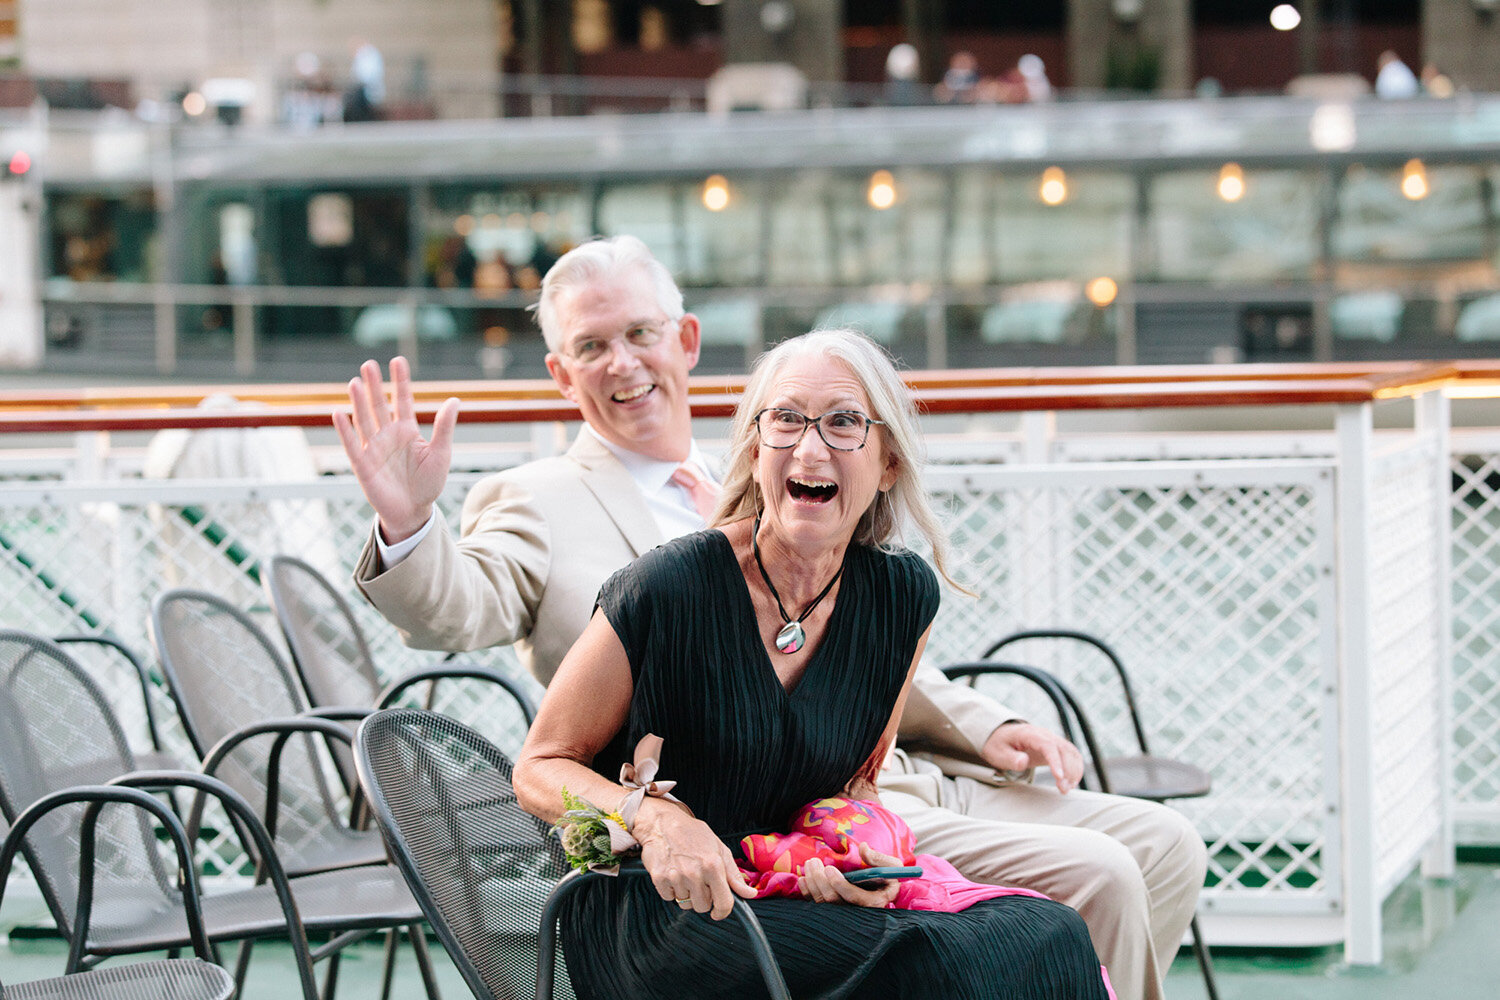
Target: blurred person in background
1394	79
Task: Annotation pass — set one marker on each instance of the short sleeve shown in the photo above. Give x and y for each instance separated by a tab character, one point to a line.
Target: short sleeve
916	583
626	600
635	599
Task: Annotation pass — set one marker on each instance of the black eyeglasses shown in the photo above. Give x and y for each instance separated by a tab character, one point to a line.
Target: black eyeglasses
841	430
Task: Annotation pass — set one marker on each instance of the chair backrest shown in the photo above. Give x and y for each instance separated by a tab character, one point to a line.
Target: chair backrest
1071	718
57	730
137	700
480	866
327	644
225	674
1084	686
337	668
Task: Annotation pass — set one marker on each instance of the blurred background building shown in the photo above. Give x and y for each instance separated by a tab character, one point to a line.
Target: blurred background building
279	188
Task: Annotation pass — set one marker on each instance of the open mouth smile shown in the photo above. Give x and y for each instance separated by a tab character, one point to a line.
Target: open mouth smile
633	393
813	491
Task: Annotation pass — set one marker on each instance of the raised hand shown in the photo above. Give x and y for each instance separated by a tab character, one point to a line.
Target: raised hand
400	472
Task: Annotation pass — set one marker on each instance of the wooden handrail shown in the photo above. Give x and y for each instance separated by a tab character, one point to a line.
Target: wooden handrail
476	391
985	391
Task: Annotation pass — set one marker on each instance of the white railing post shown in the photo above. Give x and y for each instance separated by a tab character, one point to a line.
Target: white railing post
1355	436
1434	423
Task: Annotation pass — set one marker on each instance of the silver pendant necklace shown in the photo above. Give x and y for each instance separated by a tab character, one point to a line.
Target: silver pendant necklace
792	636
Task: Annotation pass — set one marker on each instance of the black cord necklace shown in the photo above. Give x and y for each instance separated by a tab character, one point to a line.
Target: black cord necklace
791	637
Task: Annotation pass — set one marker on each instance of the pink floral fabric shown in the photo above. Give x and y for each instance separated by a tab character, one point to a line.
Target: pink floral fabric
831	830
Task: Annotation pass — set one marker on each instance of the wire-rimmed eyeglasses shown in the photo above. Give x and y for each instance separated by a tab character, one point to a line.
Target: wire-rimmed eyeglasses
841	430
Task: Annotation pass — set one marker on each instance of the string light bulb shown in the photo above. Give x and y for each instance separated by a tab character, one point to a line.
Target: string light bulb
1054	189
1102	291
1414	180
881	194
716	193
1285	17
1231	182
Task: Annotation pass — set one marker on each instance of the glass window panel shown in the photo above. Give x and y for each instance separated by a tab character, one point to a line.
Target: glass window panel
971	259
1377	223
896	244
722	247
650	212
301	247
802	235
1269	233
497	239
103	236
204	239
1086	235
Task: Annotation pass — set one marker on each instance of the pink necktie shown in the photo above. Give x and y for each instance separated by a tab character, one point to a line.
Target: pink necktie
704	491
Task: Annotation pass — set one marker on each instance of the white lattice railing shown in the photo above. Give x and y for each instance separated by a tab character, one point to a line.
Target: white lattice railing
1278	598
1475	655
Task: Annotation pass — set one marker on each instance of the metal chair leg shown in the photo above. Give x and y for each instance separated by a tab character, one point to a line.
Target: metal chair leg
331	976
418	935
242	965
392	941
1205	962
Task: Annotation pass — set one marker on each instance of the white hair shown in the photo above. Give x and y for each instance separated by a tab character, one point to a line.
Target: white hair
599	258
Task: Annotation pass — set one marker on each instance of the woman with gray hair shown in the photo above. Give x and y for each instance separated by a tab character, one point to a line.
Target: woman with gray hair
766	660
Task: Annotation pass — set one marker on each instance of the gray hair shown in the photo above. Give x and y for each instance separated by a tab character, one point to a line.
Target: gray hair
891	401
598	258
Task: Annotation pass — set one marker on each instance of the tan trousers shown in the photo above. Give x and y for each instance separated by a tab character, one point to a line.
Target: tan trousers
1131	868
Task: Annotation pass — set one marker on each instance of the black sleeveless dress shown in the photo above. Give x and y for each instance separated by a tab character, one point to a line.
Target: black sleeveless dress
746	754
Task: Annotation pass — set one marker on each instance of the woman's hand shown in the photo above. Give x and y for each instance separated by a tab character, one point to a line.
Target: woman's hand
689	865
826	884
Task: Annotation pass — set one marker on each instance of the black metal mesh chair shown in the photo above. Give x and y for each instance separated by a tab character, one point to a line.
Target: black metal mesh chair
226	676
197	978
169	979
1141	775
333	658
105	882
104	655
488	873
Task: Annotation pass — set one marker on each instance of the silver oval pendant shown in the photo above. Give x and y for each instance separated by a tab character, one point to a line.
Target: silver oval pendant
791	637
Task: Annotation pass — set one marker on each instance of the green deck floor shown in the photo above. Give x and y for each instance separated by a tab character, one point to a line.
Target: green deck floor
1442	942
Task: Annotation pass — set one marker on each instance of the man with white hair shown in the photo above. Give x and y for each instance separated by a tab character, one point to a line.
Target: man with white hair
539	540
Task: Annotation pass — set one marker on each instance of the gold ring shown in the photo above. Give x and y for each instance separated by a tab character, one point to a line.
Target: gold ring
679	900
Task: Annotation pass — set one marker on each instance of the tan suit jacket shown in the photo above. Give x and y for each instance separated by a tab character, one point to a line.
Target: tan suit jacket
537	542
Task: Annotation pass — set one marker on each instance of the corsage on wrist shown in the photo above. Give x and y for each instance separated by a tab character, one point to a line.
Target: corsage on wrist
595	840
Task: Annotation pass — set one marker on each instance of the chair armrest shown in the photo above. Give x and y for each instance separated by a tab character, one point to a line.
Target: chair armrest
1067	706
97	796
1088	639
338	713
269	866
455	670
569	883
284	728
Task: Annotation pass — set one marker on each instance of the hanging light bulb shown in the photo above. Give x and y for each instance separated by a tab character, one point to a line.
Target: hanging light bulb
881	193
716	193
1101	291
1414	180
1231	182
1285	17
1054	189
